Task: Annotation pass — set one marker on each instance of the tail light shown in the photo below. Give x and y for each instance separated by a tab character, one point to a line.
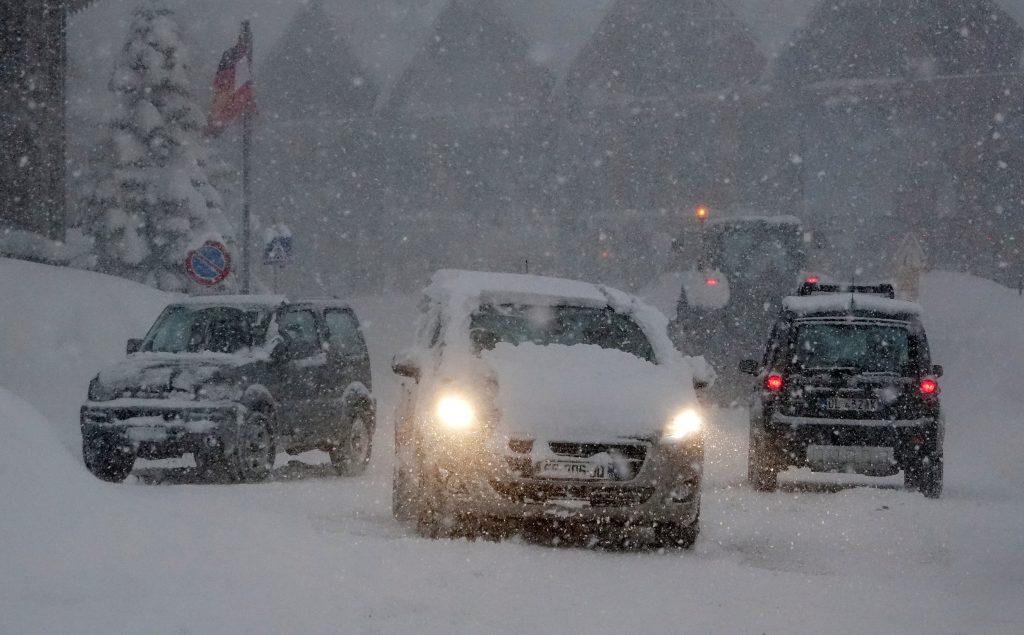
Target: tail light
711	282
813	279
929	386
774	382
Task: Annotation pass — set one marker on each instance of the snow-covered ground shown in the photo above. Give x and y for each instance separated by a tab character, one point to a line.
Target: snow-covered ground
310	552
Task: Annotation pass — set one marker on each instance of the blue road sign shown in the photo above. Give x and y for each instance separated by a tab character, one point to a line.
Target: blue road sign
209	264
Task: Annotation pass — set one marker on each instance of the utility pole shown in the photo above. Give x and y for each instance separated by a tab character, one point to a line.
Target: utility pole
246	176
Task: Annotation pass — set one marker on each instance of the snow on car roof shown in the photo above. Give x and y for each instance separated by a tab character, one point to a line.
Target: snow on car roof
234	300
849	302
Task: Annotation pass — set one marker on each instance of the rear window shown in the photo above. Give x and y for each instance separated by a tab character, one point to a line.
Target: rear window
862	347
567	325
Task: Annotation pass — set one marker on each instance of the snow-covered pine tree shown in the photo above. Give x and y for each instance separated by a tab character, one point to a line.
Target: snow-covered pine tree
154	201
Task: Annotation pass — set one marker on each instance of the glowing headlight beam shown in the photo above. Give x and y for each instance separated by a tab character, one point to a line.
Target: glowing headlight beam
685	424
455	413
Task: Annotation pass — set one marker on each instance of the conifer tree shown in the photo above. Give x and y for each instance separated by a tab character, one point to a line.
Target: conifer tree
154	201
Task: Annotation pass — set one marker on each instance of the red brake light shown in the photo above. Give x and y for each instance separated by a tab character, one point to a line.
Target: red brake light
813	279
929	386
711	282
774	382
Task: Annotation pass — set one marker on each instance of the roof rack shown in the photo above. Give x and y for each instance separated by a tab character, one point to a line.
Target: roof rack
817	288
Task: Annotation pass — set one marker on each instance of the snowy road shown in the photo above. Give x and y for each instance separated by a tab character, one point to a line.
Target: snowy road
310	552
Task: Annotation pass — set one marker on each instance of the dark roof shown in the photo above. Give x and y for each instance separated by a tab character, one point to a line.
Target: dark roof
475	60
867	39
666	49
313	73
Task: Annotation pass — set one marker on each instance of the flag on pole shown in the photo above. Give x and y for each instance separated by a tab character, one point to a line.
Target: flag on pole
232	85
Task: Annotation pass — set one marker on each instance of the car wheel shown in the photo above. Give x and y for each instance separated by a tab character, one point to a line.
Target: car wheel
677	536
924	475
762	466
400	493
107	461
211	464
254	451
351	457
431	519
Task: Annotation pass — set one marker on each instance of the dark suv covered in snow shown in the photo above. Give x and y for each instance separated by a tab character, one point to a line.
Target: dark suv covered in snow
232	380
846	383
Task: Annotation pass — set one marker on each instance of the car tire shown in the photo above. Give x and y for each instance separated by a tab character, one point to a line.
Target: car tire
352	455
211	465
677	536
254	452
431	519
925	476
107	461
401	505
763	466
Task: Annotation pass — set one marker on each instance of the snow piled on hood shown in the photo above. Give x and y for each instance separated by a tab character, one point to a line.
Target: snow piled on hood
584	392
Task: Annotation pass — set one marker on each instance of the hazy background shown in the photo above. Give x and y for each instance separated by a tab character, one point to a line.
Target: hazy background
399	136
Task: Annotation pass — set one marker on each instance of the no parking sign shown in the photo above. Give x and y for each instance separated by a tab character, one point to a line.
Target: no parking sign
209	264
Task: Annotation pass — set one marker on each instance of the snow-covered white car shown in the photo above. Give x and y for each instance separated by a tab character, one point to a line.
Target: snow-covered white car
529	397
232	380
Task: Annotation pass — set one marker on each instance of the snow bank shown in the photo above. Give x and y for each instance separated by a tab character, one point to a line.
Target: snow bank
976	331
59	327
559	392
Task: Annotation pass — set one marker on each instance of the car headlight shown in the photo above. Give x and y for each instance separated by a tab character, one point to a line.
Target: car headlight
684	425
455	413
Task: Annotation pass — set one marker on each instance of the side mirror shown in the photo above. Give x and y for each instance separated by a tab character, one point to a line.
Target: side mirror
405	364
937	370
749	367
134	345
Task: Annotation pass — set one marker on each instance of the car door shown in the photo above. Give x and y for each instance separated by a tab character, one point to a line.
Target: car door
300	376
348	361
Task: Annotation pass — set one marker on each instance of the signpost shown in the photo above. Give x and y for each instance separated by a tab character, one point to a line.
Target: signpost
208	265
277	249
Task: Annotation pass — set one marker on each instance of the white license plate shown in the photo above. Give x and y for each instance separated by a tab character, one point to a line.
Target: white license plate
582	470
852	403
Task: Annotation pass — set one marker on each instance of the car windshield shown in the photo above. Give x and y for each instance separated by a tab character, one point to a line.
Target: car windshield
754	251
862	347
185	329
567	325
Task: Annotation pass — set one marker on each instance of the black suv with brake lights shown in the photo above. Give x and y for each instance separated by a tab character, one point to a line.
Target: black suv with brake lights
846	383
232	380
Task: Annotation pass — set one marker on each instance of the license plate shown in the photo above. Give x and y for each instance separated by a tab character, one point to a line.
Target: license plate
582	470
852	403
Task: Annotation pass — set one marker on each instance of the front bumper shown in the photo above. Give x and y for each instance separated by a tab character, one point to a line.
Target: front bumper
908	439
157	429
663	487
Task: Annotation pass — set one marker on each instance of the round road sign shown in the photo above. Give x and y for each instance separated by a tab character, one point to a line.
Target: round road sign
209	264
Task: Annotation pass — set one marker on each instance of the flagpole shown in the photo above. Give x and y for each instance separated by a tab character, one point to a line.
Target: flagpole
246	177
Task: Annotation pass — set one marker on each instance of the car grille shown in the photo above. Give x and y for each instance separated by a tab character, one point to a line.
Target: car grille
631	451
600	496
632	456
